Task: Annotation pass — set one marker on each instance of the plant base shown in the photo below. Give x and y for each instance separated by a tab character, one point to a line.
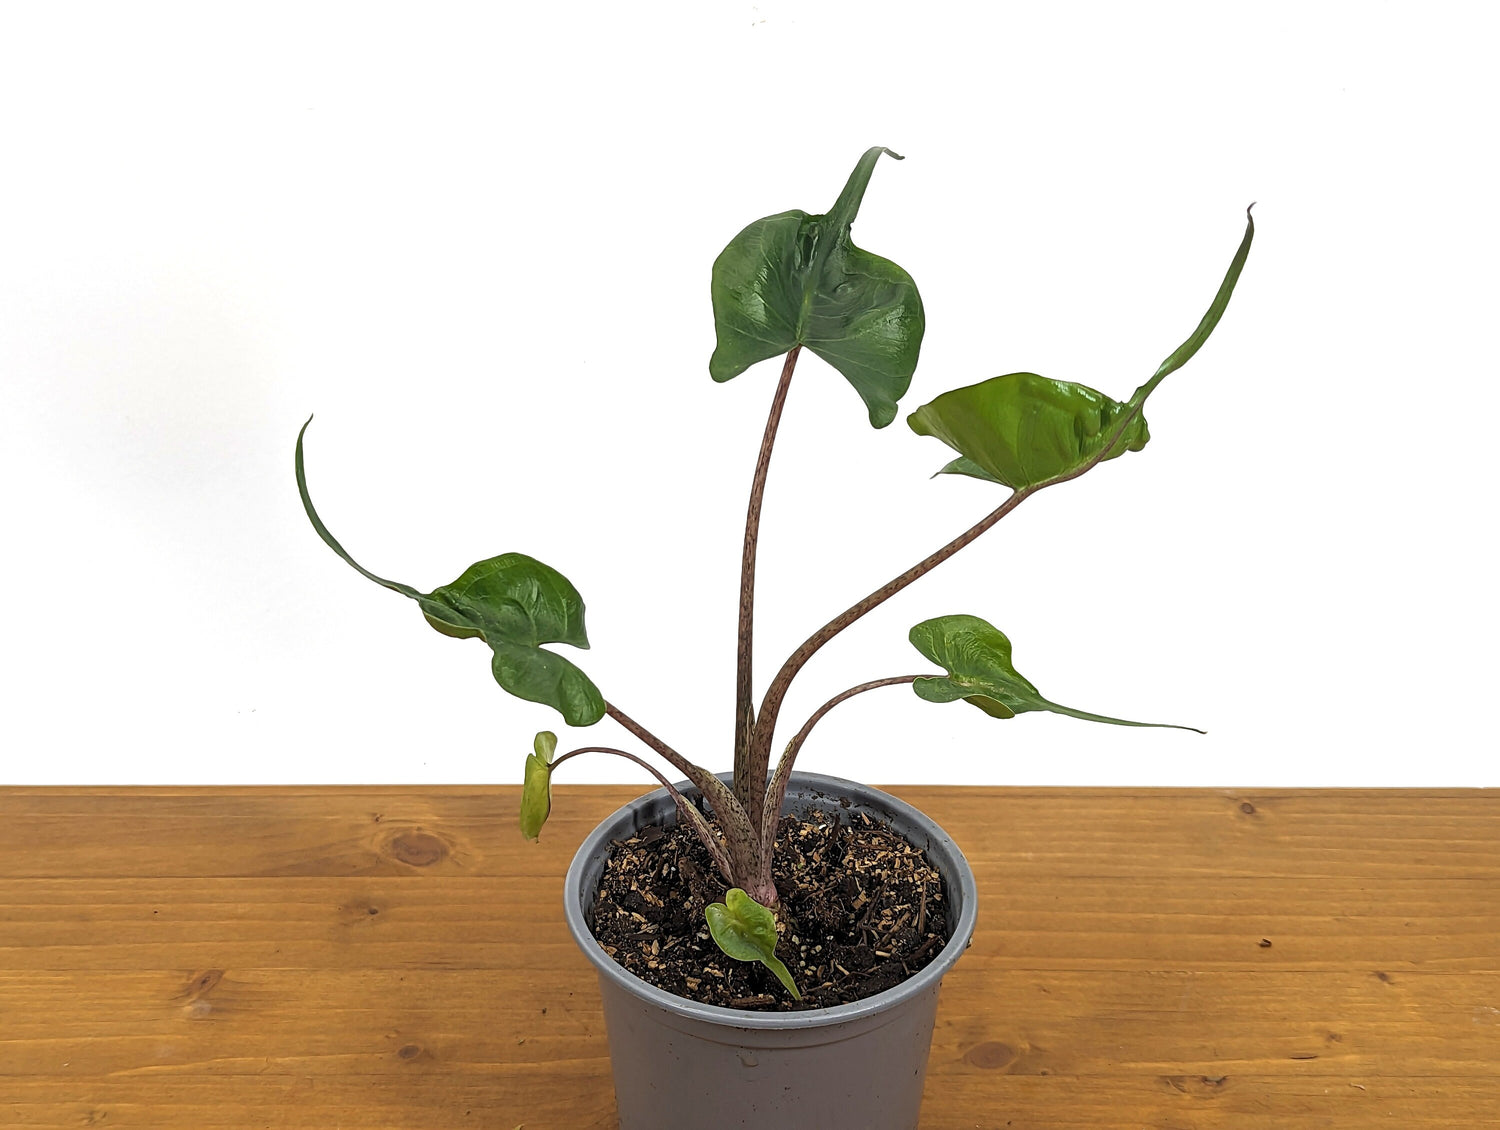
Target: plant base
680	1065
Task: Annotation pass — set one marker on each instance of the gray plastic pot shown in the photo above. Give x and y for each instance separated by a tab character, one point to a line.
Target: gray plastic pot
680	1065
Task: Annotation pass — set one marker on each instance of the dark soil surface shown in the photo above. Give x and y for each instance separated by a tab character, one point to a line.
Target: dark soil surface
861	911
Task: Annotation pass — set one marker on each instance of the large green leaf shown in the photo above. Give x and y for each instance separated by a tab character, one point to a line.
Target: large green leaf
1022	429
512	602
797	279
746	931
976	656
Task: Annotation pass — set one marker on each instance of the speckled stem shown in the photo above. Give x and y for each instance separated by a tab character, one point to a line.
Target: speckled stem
750	773
783	775
685	807
740	836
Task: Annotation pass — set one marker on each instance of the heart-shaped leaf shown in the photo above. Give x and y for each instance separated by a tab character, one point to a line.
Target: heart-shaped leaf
797	279
746	931
512	602
536	788
1021	429
976	656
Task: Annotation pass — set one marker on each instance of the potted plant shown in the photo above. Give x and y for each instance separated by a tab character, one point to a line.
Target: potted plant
808	1022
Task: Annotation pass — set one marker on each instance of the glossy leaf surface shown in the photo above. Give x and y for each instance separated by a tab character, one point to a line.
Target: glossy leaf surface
536	787
746	931
1022	429
798	279
977	657
514	603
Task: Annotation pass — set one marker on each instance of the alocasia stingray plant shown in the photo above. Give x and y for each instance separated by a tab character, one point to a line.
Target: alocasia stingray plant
787	282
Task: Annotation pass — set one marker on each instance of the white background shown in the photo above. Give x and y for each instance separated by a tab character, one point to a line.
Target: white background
476	240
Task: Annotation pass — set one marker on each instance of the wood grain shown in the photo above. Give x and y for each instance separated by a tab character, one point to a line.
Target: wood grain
323	958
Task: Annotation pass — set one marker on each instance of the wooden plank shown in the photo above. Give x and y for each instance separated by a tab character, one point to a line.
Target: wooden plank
386	957
167	1023
566	1097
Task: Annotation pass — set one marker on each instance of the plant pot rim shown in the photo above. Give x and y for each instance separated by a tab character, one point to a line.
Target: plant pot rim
954	868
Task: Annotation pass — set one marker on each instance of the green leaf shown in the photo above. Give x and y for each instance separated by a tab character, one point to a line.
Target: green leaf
797	279
746	931
1021	429
514	603
976	656
545	745
536	788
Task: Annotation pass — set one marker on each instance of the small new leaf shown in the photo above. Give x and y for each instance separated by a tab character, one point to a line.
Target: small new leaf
976	656
797	279
746	931
514	603
536	788
545	745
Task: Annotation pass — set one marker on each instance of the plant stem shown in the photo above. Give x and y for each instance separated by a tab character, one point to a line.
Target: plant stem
739	834
777	793
750	775
770	706
685	807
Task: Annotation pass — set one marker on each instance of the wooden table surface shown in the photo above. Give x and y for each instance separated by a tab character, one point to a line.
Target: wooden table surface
341	958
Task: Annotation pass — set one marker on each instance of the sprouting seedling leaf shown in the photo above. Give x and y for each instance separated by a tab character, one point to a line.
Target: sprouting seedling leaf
746	931
976	656
536	789
514	603
1023	430
797	279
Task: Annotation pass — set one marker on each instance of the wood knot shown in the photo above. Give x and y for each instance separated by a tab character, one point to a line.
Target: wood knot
1247	808
418	849
991	1055
409	1051
201	985
1201	1085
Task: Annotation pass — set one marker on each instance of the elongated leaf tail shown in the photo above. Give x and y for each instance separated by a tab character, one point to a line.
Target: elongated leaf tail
783	974
1184	352
846	207
328	538
1089	716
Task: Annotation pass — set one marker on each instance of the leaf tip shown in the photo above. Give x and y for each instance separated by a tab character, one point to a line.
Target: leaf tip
545	745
